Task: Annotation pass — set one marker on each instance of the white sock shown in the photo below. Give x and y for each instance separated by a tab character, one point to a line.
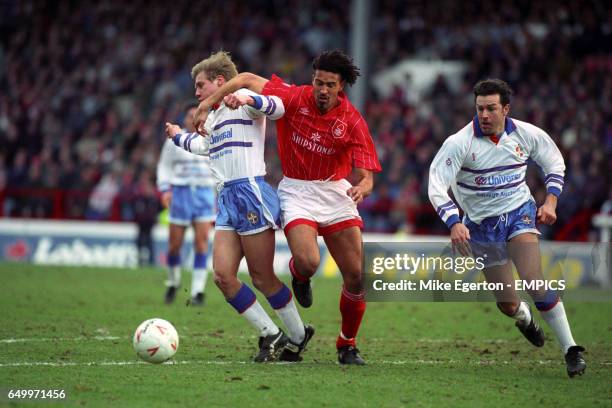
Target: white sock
258	317
293	322
557	320
523	315
174	276
198	281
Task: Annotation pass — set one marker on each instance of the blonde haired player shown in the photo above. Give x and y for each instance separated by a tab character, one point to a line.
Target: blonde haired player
249	210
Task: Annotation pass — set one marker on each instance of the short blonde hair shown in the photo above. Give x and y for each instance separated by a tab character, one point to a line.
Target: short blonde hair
219	63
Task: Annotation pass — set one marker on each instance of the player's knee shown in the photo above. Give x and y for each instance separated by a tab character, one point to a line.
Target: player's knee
352	281
261	283
174	248
508	308
224	281
306	264
538	295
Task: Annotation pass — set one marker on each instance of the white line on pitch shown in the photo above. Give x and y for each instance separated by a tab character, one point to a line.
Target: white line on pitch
205	362
111	338
46	339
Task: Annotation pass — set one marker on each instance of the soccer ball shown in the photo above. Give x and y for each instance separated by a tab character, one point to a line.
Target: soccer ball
155	340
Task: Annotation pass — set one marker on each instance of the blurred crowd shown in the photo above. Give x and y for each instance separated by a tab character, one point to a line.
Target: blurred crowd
85	88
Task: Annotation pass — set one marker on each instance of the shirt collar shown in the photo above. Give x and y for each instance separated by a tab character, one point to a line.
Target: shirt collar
509	127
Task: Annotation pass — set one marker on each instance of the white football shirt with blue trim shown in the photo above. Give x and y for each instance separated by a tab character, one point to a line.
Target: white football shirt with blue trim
488	178
236	138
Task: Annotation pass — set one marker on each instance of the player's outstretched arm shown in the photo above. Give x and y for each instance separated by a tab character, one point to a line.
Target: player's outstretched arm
363	186
258	105
243	80
192	142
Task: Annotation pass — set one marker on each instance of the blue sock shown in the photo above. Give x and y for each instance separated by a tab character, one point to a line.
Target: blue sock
280	298
243	299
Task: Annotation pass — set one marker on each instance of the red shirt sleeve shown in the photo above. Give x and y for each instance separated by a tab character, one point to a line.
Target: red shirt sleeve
362	146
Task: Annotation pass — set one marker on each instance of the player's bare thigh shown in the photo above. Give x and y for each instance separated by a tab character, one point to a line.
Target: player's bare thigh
302	240
345	247
175	238
524	249
507	298
200	235
259	253
227	253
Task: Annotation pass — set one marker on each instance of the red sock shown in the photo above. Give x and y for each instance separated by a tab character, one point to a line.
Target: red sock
294	273
352	308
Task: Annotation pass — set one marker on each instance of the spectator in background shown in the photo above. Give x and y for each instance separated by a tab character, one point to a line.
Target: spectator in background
145	207
66	81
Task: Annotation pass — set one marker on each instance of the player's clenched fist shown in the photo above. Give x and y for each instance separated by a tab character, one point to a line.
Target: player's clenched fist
356	194
547	214
460	236
172	130
166	199
234	101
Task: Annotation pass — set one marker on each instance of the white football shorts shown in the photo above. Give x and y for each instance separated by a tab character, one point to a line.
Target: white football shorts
324	205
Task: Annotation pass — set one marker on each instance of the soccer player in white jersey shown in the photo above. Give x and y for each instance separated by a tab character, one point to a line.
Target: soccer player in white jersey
249	209
187	189
485	164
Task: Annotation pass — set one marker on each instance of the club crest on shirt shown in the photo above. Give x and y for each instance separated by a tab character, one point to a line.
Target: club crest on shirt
526	219
339	129
252	217
304	110
518	151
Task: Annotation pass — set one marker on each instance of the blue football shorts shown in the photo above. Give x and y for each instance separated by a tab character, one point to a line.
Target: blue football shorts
489	238
248	206
192	204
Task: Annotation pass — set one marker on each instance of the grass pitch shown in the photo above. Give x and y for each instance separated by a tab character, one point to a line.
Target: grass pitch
71	329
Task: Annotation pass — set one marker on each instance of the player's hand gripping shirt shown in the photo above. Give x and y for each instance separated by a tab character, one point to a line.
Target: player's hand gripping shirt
236	138
320	147
488	178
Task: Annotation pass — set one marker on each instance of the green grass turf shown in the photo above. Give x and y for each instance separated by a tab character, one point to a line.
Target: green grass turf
419	354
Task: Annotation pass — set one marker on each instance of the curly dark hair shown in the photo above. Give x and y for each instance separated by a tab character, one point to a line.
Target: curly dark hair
492	87
339	63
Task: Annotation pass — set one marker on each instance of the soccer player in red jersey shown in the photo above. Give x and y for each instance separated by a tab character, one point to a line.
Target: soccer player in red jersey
322	139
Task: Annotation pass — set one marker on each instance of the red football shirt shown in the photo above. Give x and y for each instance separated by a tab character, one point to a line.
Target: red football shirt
320	147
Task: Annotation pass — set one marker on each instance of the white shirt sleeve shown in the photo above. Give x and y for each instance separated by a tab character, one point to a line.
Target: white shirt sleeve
442	172
193	143
547	155
164	167
270	106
